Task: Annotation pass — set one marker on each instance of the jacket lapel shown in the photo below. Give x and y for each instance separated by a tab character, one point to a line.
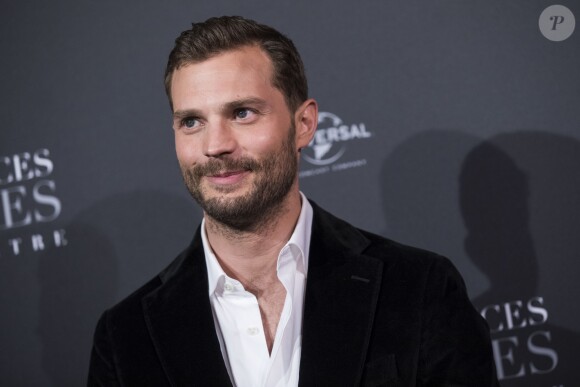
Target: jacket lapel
180	322
341	295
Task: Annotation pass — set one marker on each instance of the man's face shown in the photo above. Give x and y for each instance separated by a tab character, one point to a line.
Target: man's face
234	136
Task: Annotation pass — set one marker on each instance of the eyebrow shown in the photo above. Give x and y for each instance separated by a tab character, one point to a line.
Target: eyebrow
258	103
180	114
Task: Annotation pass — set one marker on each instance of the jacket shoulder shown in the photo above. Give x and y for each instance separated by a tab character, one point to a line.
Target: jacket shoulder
344	236
131	305
393	252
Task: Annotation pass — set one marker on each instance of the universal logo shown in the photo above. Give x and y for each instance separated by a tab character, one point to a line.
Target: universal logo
28	198
329	145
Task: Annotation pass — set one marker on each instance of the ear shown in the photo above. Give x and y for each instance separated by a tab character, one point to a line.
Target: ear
306	121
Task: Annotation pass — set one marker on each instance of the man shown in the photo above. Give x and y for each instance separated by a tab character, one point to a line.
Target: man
273	290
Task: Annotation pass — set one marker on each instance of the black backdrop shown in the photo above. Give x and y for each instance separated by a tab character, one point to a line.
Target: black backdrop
449	125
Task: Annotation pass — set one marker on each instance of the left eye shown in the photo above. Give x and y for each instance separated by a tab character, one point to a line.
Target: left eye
243	113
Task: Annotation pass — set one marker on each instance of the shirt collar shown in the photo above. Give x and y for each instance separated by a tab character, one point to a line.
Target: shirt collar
298	245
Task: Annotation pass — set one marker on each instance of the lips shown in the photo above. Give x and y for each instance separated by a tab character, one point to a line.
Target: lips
227	173
227	178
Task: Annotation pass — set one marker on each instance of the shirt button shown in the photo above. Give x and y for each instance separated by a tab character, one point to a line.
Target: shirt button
253	331
229	287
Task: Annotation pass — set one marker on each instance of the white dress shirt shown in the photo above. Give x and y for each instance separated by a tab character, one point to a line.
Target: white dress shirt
238	321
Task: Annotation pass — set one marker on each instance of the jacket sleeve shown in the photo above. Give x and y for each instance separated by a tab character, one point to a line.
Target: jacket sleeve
455	342
102	366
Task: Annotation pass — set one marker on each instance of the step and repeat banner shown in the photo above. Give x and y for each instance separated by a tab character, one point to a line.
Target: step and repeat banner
449	125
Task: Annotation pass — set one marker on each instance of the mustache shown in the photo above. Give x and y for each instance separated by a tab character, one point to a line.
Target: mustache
219	166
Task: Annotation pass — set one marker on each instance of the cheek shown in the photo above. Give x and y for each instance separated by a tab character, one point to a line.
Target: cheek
262	143
185	151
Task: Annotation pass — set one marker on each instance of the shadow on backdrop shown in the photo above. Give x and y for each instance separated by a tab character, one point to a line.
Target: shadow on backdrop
420	195
519	200
506	212
113	247
494	199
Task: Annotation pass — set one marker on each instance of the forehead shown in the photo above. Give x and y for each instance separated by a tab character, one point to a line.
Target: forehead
232	73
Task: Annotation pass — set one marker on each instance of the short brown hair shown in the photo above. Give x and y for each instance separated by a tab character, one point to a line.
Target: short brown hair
218	34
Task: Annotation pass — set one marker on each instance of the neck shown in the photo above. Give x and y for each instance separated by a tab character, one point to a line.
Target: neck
251	255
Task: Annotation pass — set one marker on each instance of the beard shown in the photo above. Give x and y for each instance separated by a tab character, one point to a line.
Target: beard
274	173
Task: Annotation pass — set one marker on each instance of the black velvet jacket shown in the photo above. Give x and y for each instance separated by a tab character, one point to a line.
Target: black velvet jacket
377	313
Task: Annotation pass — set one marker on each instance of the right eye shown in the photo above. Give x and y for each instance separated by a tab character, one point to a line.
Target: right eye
189	122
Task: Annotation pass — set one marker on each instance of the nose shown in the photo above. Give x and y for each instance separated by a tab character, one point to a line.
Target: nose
219	140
